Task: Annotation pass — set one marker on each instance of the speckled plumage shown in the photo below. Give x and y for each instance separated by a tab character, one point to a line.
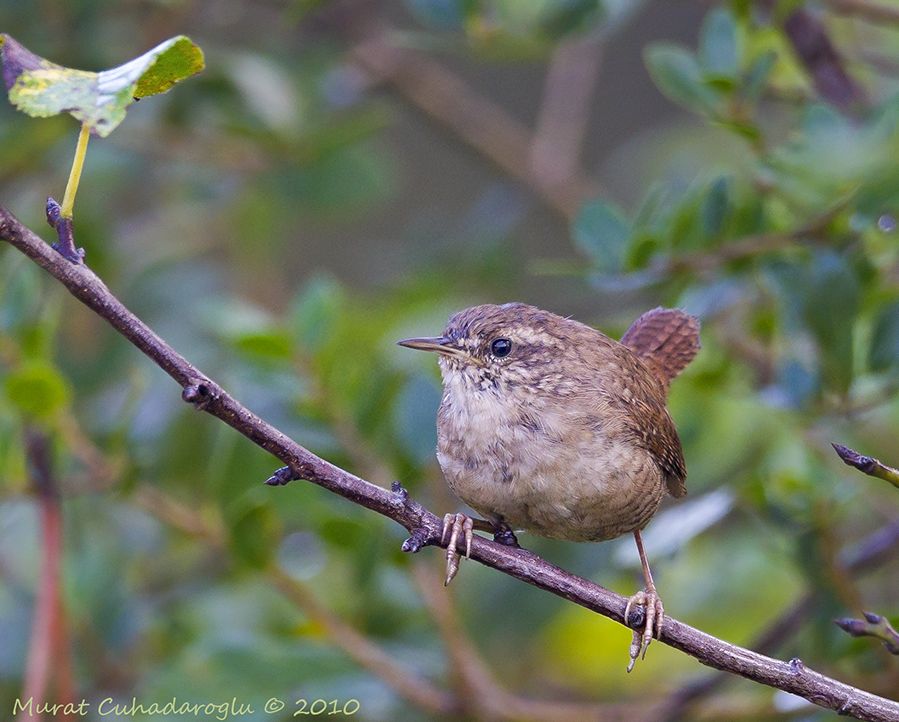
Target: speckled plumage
549	425
568	436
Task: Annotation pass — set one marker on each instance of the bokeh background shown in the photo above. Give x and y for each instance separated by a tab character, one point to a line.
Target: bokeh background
345	174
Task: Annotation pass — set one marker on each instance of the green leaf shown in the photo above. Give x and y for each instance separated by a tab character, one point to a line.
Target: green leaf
162	67
820	300
831	303
758	74
439	14
744	129
679	77
655	208
716	207
41	88
413	414
21	293
720	83
642	248
718	44
686	227
349	180
797	383
254	531
37	389
264	344
314	312
884	351
247	327
569	16
602	232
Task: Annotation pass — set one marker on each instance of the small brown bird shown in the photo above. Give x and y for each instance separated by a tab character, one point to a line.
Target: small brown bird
550	426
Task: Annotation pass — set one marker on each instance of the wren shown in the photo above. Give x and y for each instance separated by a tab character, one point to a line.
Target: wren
549	426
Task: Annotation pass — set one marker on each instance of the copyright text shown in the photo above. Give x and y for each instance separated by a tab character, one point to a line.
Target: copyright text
221	711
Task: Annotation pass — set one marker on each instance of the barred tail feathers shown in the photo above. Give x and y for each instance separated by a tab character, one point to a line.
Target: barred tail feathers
667	338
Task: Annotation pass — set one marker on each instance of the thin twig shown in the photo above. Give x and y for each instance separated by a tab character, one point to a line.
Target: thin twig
424	527
820	58
822	61
48	649
565	110
873	12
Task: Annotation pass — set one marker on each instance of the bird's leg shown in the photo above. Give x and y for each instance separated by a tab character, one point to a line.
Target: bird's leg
453	525
654	612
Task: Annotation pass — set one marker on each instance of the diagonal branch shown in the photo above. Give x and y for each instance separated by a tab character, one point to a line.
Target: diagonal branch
822	61
872	551
478	121
424	527
870	10
565	110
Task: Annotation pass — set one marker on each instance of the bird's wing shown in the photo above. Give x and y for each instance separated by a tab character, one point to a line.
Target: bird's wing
662	438
666	339
654	429
640	400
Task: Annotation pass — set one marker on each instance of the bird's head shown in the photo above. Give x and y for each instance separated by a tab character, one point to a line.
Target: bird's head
492	346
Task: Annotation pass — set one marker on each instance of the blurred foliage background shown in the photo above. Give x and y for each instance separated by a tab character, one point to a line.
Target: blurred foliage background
345	174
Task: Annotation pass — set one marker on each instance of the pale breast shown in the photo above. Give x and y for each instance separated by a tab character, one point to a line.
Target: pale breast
559	473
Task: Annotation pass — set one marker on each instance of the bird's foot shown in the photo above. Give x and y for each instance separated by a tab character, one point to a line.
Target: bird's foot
503	534
653	619
453	526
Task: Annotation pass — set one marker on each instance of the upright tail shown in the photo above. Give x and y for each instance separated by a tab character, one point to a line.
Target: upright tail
666	338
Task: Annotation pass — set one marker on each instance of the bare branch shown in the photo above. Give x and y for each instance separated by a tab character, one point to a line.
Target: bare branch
822	61
49	660
869	10
208	396
565	110
478	121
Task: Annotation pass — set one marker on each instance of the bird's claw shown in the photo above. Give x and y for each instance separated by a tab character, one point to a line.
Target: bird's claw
453	526
654	618
503	534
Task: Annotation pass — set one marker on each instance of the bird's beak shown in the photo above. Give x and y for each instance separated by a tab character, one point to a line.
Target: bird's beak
438	344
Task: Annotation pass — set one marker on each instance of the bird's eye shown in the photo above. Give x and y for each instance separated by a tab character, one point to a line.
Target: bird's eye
501	347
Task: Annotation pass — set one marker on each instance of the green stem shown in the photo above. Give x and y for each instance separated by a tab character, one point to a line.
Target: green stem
68	200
